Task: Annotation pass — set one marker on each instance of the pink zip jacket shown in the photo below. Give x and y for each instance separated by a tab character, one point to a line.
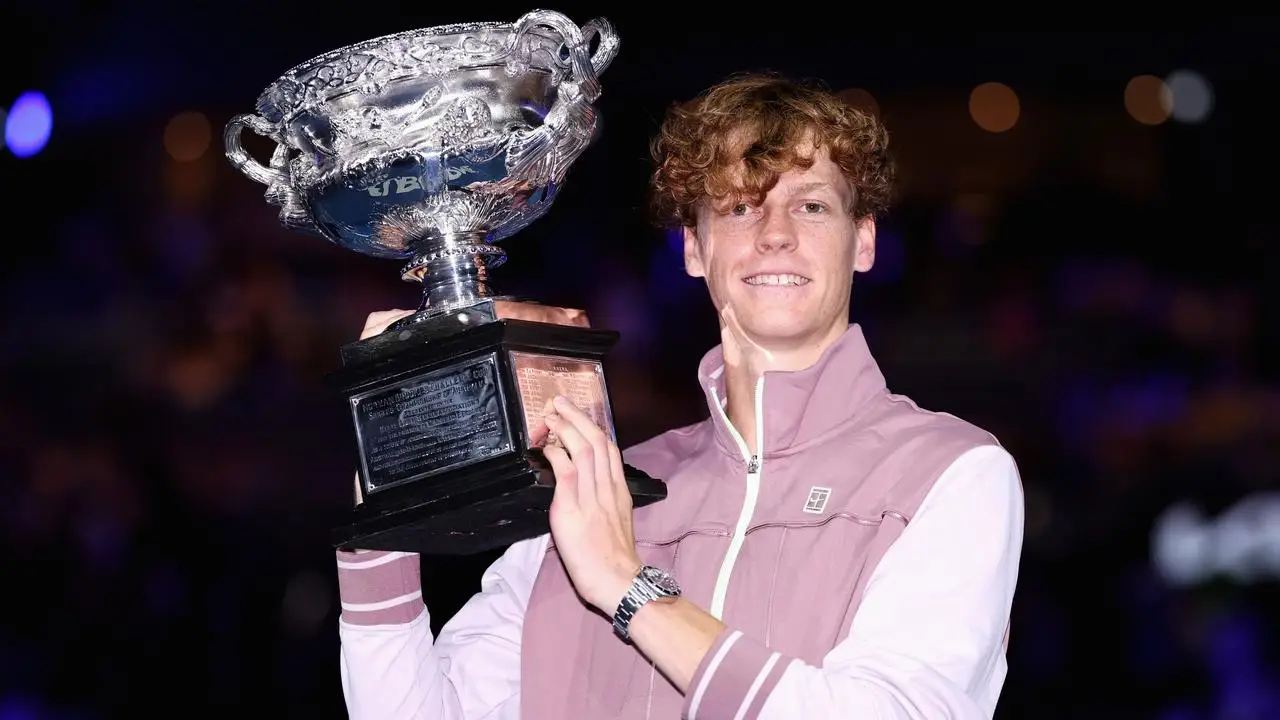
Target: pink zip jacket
864	564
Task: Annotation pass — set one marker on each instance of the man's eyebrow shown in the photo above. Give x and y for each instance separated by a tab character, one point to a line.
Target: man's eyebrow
811	186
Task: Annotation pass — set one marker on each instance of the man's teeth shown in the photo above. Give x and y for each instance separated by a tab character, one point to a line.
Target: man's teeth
777	280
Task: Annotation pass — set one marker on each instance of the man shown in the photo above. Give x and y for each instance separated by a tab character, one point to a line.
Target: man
827	549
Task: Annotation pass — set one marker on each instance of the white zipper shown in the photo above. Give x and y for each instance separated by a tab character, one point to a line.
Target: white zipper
754	465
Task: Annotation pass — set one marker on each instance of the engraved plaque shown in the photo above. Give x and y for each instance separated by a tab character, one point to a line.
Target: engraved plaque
542	377
430	423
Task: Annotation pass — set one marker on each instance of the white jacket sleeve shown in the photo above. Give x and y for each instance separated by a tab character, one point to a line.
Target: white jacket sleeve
392	667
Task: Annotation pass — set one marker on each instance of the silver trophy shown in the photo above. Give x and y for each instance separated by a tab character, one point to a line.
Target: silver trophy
432	146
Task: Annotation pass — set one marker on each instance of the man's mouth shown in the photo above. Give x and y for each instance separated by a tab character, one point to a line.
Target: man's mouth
776	279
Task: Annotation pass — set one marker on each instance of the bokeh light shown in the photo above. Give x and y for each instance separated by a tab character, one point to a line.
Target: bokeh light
29	124
994	107
861	99
187	136
1192	96
1148	100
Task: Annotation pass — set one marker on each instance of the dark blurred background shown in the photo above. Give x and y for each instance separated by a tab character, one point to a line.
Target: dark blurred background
1081	260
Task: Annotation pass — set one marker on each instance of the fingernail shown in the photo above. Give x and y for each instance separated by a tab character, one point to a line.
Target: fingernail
562	401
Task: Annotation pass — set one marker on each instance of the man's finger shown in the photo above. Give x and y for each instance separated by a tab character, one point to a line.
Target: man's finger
621	491
582	455
378	322
594	437
566	490
534	312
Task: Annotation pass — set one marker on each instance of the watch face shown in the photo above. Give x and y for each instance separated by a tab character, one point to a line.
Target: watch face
661	580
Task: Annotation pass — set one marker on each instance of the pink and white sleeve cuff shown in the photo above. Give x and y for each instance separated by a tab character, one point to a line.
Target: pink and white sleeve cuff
379	587
734	679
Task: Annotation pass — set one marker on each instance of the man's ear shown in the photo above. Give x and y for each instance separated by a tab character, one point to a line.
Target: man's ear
864	255
693	253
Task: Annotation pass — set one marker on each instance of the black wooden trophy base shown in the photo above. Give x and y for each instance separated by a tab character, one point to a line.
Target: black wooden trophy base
447	463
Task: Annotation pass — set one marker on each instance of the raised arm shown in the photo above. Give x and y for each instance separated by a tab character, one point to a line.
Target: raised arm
391	665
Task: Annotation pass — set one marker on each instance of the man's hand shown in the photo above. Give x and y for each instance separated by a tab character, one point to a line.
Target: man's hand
379	321
509	310
591	510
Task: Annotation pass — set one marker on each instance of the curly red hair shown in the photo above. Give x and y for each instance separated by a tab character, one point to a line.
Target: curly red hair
735	139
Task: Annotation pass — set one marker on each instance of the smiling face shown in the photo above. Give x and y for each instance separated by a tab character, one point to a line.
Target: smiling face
784	267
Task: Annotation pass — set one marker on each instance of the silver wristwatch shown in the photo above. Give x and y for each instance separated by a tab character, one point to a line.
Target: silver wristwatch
650	584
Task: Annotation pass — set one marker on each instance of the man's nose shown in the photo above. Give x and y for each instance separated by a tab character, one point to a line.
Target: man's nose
778	233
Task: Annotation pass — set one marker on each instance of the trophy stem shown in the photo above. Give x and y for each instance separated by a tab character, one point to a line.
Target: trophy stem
454	272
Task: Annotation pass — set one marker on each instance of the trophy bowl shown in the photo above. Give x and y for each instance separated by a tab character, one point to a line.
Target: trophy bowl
432	146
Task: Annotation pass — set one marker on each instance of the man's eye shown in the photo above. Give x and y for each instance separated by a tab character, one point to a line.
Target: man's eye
814	207
740	209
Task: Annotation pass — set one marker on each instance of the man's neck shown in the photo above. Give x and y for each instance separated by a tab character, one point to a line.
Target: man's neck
742	379
740	385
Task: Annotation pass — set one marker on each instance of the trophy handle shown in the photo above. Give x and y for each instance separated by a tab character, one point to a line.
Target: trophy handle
547	151
584	68
244	162
279	191
606	50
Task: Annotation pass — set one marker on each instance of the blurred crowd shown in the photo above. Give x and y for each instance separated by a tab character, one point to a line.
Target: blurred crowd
174	460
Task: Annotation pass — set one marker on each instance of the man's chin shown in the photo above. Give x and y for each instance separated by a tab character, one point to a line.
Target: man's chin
780	333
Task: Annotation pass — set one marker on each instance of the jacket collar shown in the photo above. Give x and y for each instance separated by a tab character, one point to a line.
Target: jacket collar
797	408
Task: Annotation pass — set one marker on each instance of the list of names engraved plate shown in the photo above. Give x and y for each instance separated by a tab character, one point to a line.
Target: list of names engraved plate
542	377
432	423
